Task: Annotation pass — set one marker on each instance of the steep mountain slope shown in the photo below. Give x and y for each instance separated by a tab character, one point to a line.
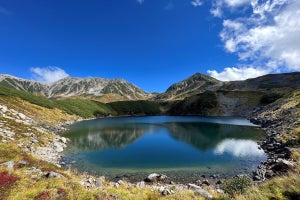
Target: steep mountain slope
197	83
236	98
95	88
24	85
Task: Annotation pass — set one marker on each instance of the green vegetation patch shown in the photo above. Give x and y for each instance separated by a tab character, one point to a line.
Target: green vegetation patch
34	99
135	107
84	107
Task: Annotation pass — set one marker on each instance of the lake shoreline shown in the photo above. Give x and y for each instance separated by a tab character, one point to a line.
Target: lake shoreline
212	177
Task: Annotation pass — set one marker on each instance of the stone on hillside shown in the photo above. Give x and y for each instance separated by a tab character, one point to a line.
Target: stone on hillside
121	182
116	185
155	177
198	190
205	182
98	182
164	191
22	163
3	108
282	165
59	148
54	175
140	184
9	165
269	173
21	116
63	140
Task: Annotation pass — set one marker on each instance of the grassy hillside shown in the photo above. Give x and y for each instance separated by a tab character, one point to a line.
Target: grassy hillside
85	108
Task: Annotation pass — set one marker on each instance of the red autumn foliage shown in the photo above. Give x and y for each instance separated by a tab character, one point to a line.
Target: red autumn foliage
6	179
42	196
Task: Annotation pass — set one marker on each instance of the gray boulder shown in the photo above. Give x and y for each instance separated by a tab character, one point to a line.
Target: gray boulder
200	191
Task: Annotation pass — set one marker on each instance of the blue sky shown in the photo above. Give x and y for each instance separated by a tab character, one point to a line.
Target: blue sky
151	43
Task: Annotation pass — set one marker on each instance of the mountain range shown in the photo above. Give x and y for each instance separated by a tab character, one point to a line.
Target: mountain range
199	94
104	90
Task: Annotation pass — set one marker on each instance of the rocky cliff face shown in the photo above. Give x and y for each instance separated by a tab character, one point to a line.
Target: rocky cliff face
201	95
118	89
195	84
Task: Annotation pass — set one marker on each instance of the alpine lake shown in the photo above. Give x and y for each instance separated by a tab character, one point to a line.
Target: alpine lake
184	148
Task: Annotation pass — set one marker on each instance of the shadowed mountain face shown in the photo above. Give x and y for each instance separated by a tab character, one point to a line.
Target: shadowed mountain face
104	89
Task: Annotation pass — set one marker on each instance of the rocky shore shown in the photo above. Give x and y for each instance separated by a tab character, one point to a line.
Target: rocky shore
276	119
45	142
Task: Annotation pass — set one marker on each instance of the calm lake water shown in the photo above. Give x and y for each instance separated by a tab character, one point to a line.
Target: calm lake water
183	148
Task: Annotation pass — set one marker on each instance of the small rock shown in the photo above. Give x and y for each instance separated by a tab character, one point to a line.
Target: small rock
63	140
90	180
82	183
213	176
21	116
116	185
22	163
206	182
172	183
166	192
140	184
198	190
220	191
282	165
155	177
54	175
199	182
98	183
121	182
3	108
9	165
269	173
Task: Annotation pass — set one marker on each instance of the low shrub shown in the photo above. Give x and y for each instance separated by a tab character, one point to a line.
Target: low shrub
236	185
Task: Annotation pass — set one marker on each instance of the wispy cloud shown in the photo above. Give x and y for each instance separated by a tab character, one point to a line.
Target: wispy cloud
170	5
196	3
267	36
5	11
140	1
48	74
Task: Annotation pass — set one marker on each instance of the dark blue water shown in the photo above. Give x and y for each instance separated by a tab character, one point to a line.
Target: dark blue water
184	148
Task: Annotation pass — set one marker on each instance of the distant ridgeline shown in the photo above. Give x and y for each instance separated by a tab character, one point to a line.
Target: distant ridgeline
196	95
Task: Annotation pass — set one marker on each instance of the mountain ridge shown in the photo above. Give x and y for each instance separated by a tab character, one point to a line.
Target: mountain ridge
101	88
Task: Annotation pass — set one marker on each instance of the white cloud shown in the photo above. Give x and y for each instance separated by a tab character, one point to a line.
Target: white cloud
266	35
48	74
140	1
238	73
272	37
218	6
236	3
238	148
196	3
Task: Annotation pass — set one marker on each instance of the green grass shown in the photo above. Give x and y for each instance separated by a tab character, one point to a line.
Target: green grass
34	99
84	107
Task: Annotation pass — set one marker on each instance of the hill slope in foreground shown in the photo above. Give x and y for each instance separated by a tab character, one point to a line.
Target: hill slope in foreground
30	147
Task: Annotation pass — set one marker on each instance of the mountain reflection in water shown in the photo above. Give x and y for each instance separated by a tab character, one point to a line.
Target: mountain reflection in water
139	145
